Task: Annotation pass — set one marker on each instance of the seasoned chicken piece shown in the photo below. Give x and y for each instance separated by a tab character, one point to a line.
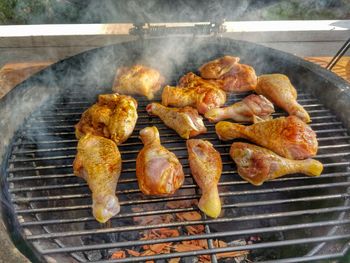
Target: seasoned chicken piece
253	108
217	68
201	95
138	80
257	165
206	167
98	162
185	121
231	76
278	89
191	80
289	136
158	170
114	116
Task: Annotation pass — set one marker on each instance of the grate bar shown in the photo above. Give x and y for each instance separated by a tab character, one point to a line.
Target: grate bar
201	236
172	134
84	184
188	223
134	180
136	130
182	197
166	211
217	250
75	120
73	148
157	121
72	156
139	143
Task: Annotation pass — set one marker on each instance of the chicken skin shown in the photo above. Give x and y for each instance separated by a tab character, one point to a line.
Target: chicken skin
253	108
158	171
257	165
230	75
289	137
98	161
138	80
201	95
185	121
206	167
278	89
114	116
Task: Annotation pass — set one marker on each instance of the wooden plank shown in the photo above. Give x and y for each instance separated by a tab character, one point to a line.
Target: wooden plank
342	68
14	73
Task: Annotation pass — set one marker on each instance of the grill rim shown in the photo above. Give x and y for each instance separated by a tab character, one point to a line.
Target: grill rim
9	98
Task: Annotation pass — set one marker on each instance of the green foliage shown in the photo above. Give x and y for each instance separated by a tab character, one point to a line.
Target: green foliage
38	11
310	9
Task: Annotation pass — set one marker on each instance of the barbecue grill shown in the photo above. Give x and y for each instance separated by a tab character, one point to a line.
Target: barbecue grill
47	210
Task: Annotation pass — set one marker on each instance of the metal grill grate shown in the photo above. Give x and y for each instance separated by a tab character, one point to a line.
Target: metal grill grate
297	218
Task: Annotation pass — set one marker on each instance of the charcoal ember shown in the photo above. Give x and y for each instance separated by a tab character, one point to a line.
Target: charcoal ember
190	260
93	255
129	236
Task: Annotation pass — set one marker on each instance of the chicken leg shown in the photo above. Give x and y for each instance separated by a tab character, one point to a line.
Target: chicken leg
257	165
98	161
185	121
253	108
206	167
278	89
158	171
289	137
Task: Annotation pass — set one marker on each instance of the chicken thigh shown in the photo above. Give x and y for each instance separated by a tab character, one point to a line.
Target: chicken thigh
158	171
253	108
278	89
206	167
114	116
185	121
289	137
257	165
138	80
230	75
201	95
98	161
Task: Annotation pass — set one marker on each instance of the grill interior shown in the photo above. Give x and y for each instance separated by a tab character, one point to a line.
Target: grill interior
291	217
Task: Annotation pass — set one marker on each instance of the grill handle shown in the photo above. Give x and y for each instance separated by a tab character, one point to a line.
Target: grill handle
339	55
211	28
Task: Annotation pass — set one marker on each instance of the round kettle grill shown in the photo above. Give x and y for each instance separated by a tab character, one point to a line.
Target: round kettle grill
47	210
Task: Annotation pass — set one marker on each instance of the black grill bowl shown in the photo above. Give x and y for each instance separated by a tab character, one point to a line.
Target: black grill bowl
47	210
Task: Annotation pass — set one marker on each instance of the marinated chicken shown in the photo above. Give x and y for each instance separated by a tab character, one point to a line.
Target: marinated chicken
230	75
278	89
158	171
253	108
98	161
185	121
289	137
191	80
138	80
206	167
201	95
114	116
257	165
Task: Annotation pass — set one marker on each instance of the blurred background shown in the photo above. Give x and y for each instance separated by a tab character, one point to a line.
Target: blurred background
91	11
